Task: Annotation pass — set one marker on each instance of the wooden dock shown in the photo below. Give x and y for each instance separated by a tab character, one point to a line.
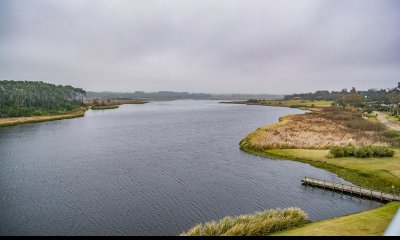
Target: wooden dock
353	190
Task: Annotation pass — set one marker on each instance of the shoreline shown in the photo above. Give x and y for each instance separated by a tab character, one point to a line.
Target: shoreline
9	122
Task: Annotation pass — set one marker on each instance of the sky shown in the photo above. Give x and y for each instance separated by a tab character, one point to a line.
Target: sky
213	46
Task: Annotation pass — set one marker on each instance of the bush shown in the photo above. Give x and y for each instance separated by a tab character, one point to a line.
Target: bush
366	151
258	224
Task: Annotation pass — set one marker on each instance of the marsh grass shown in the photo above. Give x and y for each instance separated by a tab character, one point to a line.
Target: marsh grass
7	122
320	129
258	224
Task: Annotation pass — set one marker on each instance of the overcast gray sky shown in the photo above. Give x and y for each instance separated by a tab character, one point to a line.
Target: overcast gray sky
217	46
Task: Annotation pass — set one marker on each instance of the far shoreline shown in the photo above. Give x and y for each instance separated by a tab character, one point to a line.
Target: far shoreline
78	113
9	122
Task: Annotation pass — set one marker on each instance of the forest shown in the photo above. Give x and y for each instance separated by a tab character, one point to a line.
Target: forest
26	98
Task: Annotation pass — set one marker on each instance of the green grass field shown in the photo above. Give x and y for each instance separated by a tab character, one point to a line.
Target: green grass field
369	223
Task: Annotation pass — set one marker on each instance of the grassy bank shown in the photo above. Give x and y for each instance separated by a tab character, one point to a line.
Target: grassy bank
258	224
7	122
369	223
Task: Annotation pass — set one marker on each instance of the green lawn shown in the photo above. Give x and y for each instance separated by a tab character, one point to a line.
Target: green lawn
369	223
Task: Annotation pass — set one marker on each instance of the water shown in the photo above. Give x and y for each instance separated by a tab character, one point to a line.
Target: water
153	169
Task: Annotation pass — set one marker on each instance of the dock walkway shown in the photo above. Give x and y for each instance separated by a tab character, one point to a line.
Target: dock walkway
353	190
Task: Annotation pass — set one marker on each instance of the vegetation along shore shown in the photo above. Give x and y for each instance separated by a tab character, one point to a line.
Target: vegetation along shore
31	102
24	102
8	122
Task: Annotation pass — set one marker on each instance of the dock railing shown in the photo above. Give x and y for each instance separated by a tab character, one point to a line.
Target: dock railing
353	190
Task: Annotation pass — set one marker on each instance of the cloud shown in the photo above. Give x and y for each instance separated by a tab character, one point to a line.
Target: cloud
202	46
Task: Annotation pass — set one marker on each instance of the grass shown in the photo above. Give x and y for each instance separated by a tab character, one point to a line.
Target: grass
369	223
258	224
7	122
320	129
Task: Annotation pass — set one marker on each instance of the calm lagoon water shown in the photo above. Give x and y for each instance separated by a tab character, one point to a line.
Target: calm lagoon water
153	169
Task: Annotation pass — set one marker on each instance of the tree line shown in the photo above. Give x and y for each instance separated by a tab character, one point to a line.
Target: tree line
370	100
25	98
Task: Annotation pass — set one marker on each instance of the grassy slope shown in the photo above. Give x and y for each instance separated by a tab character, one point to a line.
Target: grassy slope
7	122
369	223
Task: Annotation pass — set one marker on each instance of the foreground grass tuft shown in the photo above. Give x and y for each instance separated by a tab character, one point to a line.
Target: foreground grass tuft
258	224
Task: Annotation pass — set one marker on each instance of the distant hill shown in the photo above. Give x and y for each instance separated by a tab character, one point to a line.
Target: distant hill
169	95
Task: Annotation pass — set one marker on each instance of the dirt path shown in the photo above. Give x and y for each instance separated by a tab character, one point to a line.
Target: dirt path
382	117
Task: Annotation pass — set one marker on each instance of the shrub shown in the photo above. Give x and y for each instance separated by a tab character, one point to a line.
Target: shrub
258	224
365	151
